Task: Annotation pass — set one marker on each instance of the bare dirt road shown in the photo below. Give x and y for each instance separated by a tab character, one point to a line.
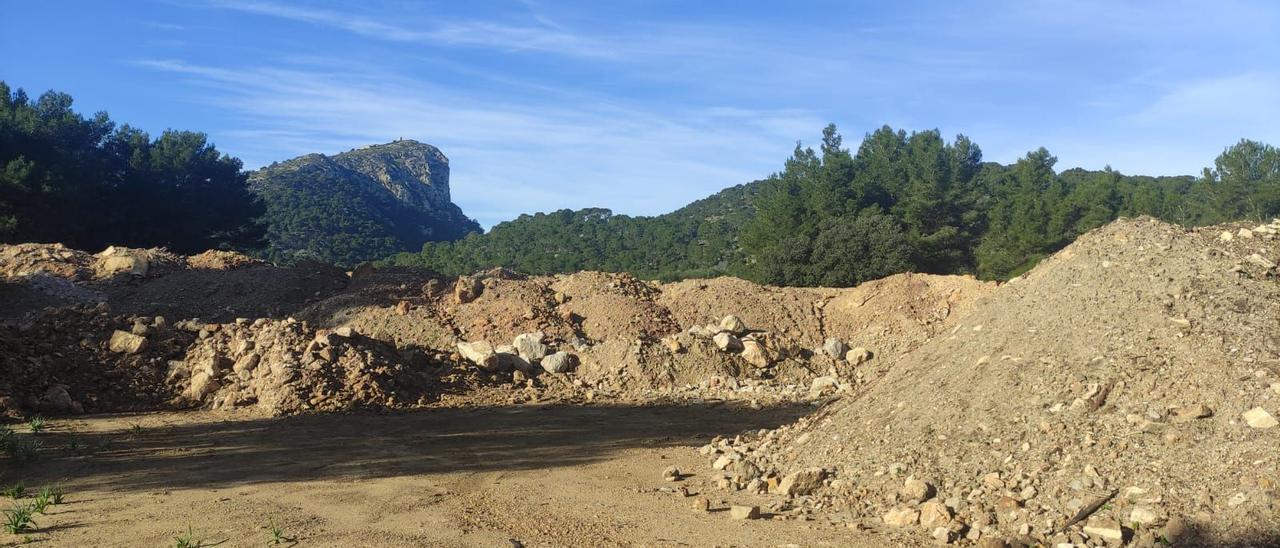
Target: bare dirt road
495	476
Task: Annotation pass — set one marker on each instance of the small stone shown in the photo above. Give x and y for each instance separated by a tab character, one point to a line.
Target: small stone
560	362
857	356
1174	530
529	346
727	342
914	490
701	504
1237	499
245	365
902	517
943	535
1259	418
993	481
756	354
1142	515
822	385
671	473
722	462
835	348
803	482
744	512
934	514
1106	528
57	398
127	343
1226	236
744	471
733	325
673	344
479	352
1192	412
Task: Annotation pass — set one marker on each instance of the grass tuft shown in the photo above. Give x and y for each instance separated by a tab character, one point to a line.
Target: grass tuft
187	540
17	520
15	491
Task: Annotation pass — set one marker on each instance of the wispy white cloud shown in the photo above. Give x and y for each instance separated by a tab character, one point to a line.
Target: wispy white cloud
1249	98
544	36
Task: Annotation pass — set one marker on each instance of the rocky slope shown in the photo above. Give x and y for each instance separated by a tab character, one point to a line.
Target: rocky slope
359	205
1122	391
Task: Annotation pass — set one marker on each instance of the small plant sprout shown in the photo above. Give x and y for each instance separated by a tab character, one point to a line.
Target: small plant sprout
53	493
22	449
15	491
42	501
135	428
187	540
17	520
277	533
36	424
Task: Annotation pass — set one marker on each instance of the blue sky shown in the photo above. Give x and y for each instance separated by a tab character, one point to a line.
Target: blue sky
644	106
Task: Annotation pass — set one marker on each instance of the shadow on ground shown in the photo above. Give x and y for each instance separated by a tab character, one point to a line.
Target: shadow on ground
364	446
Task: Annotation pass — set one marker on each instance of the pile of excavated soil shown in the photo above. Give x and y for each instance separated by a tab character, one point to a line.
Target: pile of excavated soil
1124	390
214	285
20	260
284	367
216	259
627	339
224	295
64	362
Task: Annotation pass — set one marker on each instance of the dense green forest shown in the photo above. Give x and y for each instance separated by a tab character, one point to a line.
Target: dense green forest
902	201
87	183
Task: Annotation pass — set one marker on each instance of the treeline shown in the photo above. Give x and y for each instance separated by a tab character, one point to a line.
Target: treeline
87	183
698	240
900	202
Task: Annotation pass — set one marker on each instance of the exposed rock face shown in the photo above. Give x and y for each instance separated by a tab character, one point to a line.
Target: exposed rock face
415	173
398	190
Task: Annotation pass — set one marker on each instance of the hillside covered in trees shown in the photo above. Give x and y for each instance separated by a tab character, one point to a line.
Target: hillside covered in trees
359	205
900	201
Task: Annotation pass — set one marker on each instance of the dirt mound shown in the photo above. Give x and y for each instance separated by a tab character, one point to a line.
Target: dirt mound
224	295
626	338
283	367
1108	392
71	360
21	260
214	259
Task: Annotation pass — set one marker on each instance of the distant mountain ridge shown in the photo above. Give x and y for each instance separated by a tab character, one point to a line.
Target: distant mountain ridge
359	205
